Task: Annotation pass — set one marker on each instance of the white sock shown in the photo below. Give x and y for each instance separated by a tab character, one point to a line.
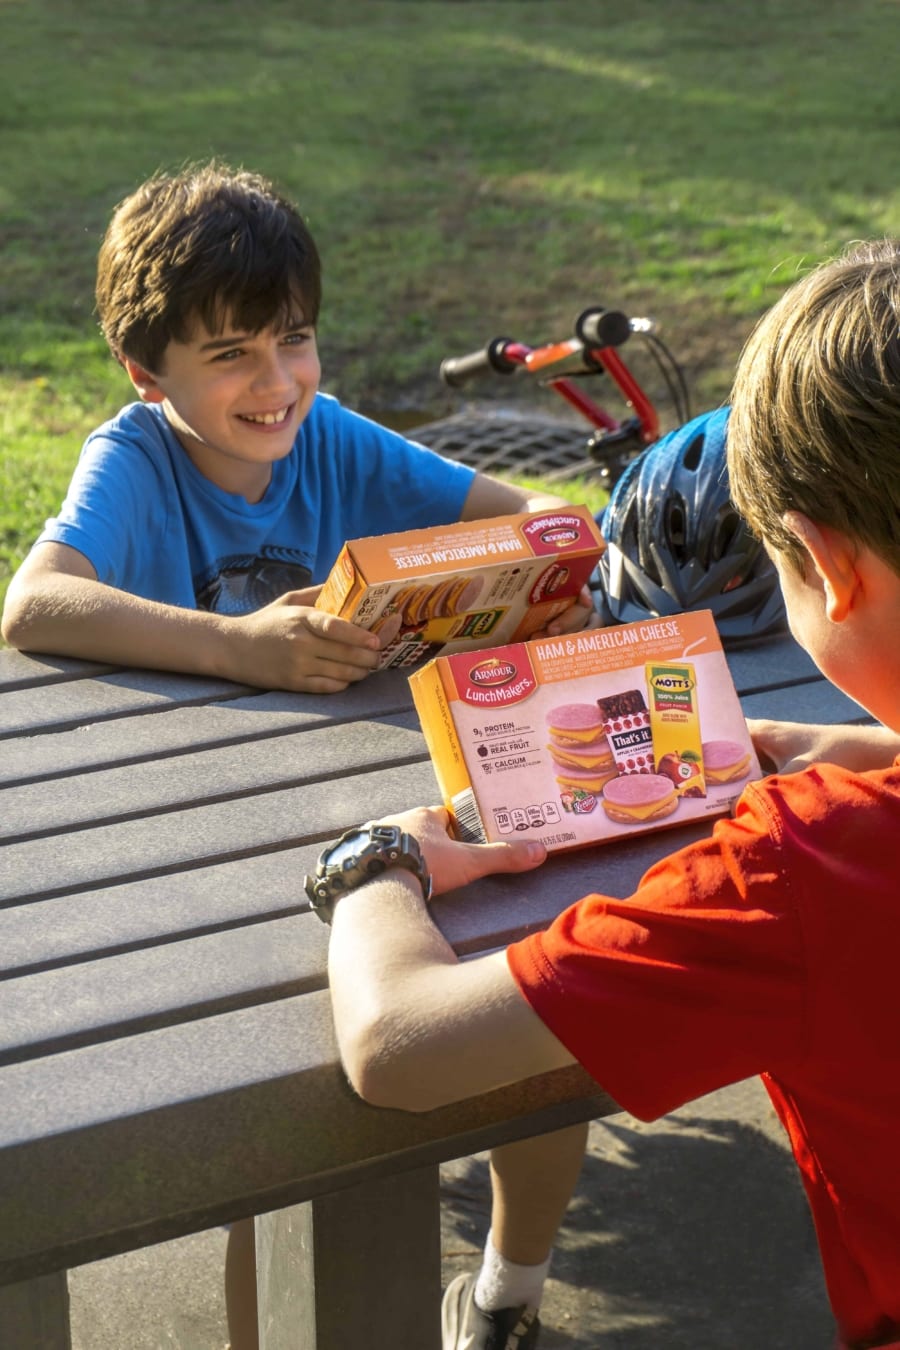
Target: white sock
504	1284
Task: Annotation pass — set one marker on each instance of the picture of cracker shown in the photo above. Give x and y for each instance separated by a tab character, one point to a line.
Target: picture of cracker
590	780
415	610
636	799
578	743
387	626
725	761
456	595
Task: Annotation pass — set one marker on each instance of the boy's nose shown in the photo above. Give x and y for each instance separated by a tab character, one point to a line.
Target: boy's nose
273	372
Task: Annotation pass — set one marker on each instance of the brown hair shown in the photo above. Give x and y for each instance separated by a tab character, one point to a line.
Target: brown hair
209	243
815	417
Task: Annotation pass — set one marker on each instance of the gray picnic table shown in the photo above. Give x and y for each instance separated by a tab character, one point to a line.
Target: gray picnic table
167	1059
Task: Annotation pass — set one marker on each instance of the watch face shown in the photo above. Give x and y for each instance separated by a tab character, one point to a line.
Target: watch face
346	849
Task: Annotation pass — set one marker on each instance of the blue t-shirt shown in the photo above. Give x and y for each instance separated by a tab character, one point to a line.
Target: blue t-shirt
151	524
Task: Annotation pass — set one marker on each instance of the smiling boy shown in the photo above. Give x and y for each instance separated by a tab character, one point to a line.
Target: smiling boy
199	520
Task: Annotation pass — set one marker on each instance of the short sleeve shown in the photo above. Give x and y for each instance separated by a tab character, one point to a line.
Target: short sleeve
375	481
115	510
694	982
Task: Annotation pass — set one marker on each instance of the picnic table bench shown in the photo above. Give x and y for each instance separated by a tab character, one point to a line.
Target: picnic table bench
167	1059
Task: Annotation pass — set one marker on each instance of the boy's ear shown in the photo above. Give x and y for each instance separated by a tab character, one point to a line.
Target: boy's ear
143	381
833	556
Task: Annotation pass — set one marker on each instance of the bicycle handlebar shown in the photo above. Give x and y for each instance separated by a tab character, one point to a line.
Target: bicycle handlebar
596	329
599	327
457	370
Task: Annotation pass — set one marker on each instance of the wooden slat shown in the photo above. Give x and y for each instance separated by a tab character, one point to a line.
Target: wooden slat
48	933
236	770
45	934
818	701
171	730
773	662
104	855
76	701
21	671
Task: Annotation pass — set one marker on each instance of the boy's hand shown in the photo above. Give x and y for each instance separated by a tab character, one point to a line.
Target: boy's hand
787	747
453	863
291	645
577	617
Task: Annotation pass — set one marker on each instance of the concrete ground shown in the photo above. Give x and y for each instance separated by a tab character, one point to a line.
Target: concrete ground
688	1234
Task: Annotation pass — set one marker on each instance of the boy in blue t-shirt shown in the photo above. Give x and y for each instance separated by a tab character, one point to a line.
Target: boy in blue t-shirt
201	521
197	521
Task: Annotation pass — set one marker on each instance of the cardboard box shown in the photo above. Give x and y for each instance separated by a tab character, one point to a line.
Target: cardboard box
464	586
595	736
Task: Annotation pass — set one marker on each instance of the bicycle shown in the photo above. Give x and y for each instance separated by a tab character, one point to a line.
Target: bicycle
593	351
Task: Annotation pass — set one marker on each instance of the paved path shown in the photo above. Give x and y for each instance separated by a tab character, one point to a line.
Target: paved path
689	1234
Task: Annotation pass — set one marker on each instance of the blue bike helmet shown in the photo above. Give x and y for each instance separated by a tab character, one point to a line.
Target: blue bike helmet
676	542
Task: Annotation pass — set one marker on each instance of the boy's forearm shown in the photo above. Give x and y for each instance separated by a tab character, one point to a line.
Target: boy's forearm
74	616
417	1028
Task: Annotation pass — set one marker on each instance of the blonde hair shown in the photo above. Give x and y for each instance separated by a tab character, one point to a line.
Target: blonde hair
815	415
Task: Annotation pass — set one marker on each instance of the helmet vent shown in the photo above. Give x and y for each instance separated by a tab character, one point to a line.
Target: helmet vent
693	454
676	528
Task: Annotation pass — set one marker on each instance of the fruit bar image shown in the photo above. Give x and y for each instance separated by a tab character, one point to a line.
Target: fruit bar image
626	723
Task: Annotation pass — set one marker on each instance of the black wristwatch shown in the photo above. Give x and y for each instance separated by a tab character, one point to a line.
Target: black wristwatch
359	855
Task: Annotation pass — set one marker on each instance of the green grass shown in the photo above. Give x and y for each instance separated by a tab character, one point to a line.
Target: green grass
469	167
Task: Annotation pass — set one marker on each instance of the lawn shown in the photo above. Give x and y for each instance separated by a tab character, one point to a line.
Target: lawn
468	167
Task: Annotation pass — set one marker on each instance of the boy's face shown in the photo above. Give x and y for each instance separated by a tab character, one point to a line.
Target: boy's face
236	400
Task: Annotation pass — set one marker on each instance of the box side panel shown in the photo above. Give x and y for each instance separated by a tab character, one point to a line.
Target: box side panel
432	691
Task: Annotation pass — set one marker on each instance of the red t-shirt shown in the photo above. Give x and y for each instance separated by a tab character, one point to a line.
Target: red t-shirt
771	948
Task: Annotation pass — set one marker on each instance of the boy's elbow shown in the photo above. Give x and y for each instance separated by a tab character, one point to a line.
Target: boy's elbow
14	623
386	1071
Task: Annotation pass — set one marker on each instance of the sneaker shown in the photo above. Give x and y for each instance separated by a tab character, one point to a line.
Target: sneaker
465	1327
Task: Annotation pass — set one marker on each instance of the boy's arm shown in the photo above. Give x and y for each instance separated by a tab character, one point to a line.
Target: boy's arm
56	604
492	497
416	1027
786	747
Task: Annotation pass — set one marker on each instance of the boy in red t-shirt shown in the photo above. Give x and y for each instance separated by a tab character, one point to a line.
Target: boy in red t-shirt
768	948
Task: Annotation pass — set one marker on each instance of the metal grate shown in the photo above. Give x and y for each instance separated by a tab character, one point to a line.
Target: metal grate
497	444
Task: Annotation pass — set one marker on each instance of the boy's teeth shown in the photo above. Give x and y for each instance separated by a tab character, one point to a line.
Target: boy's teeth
268	419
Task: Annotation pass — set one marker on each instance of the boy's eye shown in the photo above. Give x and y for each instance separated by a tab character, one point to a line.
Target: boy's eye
229	355
298	338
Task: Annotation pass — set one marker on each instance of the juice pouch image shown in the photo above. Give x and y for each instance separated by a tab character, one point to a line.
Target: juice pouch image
675	725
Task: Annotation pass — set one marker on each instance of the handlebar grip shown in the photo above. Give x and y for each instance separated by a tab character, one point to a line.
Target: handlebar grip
458	370
599	327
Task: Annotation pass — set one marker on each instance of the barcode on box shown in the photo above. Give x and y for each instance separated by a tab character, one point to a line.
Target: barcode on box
470	826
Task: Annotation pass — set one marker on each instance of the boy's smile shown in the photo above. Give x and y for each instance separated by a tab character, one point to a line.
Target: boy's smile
236	400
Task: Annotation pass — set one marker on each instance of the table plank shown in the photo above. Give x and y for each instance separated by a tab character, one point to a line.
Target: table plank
240	769
172	729
55	1003
193	836
76	701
